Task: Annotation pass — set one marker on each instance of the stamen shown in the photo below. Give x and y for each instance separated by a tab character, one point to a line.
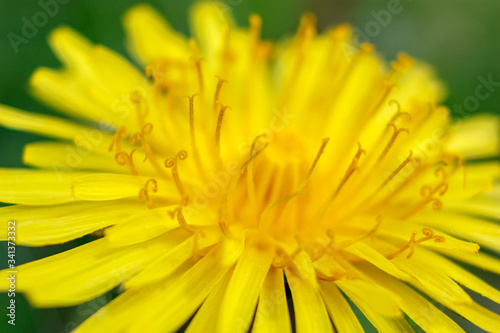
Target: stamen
142	107
218	90
194	146
250	182
197	61
172	163
301	186
399	113
392	140
288	258
428	235
318	156
394	173
350	170
144	193
121	133
218	131
125	159
181	220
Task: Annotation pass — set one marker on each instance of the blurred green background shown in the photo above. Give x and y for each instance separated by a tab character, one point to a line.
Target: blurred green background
460	38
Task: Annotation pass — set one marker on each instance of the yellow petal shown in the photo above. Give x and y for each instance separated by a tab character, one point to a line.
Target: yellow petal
115	316
209	24
142	226
272	311
461	275
107	186
39	124
382	301
380	308
340	311
70	47
475	313
310	311
33	187
151	38
476	137
204	320
83	273
431	279
167	263
403	232
238	306
470	228
421	311
64	156
374	257
171	305
40	226
480	259
61	91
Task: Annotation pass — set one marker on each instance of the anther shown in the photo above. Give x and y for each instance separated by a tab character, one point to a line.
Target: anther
218	90
399	113
171	163
144	193
128	159
429	234
182	221
350	170
218	130
318	156
121	133
392	140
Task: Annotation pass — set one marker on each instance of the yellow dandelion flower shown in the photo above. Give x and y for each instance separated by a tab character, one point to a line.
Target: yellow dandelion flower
234	171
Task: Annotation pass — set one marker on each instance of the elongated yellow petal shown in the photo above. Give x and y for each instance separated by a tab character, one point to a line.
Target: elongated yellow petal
209	22
33	187
483	318
151	38
64	156
102	186
142	226
171	305
83	273
403	232
476	137
382	311
461	275
481	260
434	281
310	311
39	124
115	316
272	312
238	306
39	226
383	301
374	257
204	320
472	229
340	311
167	263
61	91
421	311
